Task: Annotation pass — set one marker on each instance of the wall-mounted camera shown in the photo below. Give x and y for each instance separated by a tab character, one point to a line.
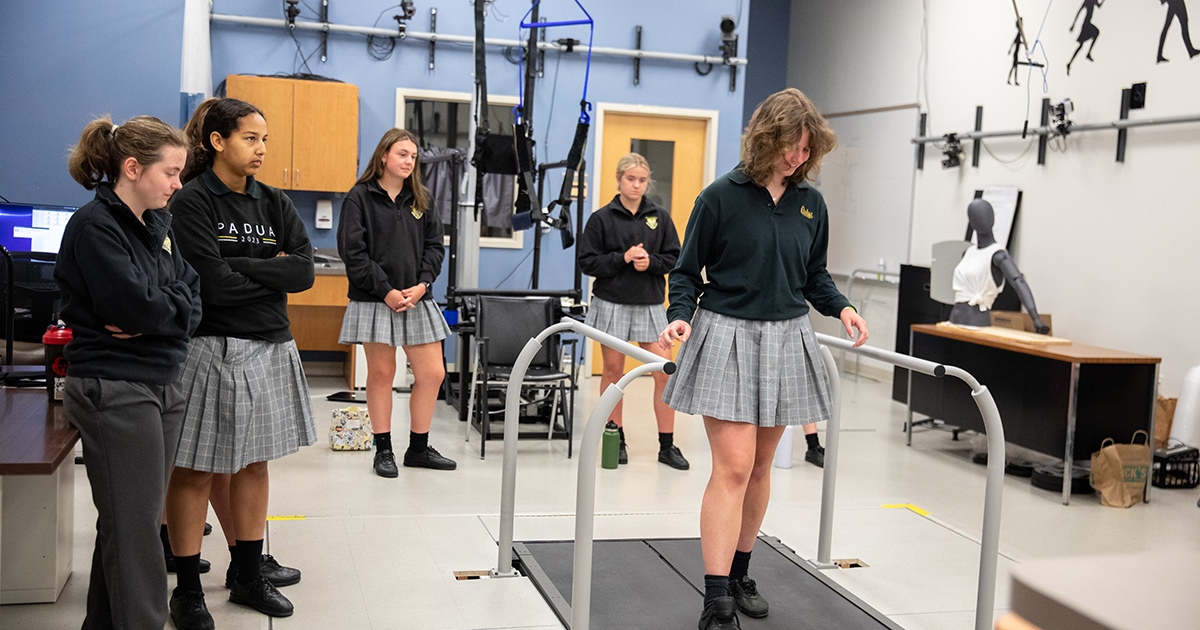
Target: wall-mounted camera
952	152
1060	116
407	11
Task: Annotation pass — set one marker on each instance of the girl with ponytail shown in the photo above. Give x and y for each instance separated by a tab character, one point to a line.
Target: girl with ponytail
247	397
132	303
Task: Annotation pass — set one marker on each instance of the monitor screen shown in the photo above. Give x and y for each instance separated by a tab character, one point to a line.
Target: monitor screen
33	228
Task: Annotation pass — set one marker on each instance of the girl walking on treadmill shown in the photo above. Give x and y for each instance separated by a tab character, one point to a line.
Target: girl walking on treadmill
132	303
751	364
392	247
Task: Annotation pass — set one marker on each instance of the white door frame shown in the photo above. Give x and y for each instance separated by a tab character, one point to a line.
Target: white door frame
710	160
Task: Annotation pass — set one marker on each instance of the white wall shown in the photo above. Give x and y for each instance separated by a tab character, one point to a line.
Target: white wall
1109	249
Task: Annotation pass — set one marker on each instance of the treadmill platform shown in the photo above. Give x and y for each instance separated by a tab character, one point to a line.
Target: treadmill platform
659	583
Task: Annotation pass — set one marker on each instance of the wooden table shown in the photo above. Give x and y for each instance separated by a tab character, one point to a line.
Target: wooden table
37	499
1052	399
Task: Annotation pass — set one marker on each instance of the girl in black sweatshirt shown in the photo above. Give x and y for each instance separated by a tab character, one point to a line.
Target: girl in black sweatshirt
392	246
629	246
248	400
131	302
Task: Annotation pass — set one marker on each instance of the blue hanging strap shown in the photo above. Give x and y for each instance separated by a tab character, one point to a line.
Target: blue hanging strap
585	106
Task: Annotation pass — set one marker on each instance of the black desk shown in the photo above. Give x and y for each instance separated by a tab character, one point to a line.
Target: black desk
1056	400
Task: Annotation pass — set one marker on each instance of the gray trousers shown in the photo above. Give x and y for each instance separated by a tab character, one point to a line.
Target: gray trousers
130	431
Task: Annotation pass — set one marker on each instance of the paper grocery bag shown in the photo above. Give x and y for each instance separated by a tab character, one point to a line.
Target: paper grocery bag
1164	413
1120	471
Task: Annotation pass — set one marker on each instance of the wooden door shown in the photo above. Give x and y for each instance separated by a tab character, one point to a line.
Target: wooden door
274	97
325	136
675	149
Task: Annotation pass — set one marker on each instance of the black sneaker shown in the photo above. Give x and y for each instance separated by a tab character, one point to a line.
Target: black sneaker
429	458
622	454
673	458
207	528
745	593
277	574
385	464
205	565
720	615
816	456
189	612
262	596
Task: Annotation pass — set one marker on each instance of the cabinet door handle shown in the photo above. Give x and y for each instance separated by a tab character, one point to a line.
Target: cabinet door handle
285	174
297	177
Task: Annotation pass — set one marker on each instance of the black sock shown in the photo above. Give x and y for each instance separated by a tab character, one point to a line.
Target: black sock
166	539
665	440
621	430
383	441
187	572
418	442
813	441
232	554
715	586
740	566
249	560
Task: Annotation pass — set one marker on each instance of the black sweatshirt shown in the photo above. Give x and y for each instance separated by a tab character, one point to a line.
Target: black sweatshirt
113	270
385	244
762	260
610	232
232	240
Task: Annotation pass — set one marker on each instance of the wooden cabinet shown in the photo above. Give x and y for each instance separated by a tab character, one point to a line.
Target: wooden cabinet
312	131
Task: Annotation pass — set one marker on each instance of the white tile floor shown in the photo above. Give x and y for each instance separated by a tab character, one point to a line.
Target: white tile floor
380	553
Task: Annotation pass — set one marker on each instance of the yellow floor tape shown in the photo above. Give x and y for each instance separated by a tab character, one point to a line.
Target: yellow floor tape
290	517
909	506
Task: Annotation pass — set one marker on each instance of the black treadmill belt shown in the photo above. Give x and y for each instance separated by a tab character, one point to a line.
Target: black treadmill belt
635	581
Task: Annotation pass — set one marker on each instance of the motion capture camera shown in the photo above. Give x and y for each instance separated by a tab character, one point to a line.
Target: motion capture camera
1060	116
407	11
292	12
953	152
729	41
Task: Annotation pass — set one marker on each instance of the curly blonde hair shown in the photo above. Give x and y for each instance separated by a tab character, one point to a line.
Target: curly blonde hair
776	127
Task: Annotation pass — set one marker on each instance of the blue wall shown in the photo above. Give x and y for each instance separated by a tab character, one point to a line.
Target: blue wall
65	62
767	52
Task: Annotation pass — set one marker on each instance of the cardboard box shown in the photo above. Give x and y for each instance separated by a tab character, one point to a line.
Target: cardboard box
1019	320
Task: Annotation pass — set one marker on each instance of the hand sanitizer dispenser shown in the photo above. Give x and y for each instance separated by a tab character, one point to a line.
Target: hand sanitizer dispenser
324	214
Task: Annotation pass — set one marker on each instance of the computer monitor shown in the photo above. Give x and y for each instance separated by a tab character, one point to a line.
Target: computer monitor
33	227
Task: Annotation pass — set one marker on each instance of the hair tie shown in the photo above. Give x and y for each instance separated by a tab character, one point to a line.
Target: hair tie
114	128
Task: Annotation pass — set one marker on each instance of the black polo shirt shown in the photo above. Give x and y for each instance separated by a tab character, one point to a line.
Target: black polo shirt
233	241
387	244
762	260
610	232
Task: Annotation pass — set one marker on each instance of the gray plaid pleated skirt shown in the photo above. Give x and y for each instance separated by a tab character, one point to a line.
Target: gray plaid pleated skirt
767	373
631	322
247	402
374	322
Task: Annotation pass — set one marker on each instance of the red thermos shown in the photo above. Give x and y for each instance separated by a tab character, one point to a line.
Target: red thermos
55	340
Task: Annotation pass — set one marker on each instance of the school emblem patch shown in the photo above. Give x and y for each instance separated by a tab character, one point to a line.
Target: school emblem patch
167	244
806	212
652	223
418	213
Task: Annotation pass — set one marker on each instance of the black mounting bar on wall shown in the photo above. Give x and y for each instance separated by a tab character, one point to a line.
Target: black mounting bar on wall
637	61
432	29
1046	131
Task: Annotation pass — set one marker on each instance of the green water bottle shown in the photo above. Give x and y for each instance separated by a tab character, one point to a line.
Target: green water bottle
610	446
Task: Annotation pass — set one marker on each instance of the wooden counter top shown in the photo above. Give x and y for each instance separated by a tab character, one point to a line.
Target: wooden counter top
1074	353
34	434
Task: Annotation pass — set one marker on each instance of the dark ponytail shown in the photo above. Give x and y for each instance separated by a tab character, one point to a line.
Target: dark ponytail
103	147
216	114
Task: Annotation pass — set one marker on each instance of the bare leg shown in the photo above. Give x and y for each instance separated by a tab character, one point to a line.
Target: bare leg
186	509
733	453
614	369
381	373
662	412
810	428
758	490
428	373
248	492
218	496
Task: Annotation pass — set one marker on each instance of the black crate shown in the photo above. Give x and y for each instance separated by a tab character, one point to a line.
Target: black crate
1177	467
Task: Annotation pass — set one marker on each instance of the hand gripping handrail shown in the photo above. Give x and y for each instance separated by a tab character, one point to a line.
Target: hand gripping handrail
586	485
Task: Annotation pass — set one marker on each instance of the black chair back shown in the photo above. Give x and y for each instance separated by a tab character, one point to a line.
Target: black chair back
509	322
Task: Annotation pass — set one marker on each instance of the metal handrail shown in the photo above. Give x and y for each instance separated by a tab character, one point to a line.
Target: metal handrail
586	480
